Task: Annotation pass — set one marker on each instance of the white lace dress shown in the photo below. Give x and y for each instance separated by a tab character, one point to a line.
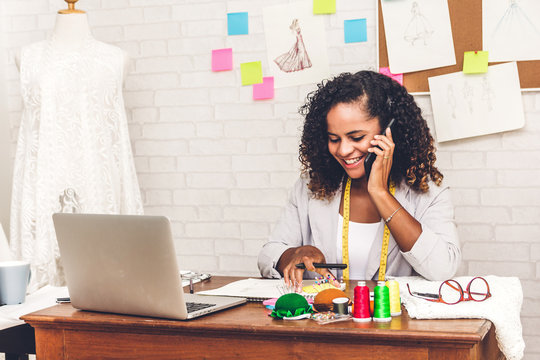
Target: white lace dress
73	152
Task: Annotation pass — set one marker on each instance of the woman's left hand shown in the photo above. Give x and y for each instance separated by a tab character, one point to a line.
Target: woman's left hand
380	171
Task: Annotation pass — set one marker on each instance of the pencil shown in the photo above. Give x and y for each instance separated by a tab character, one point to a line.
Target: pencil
323	266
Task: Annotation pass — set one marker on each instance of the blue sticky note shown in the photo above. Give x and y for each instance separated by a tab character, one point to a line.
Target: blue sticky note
237	23
355	30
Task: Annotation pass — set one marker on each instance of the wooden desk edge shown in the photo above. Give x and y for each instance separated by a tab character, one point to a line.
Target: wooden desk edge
136	324
62	331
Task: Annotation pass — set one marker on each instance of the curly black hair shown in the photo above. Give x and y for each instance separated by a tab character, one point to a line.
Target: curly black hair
381	97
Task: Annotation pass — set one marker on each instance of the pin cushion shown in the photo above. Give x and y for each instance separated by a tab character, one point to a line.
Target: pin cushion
290	305
313	289
323	300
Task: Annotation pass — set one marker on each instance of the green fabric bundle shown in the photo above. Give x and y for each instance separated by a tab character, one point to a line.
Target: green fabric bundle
290	305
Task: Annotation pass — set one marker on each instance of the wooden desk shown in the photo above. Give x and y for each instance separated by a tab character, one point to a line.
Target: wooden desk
247	331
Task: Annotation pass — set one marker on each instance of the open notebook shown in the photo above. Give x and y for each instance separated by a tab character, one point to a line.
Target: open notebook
262	289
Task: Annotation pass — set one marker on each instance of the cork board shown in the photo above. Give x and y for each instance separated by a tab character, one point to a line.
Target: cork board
466	21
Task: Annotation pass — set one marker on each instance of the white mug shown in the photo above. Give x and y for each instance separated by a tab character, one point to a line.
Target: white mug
14	279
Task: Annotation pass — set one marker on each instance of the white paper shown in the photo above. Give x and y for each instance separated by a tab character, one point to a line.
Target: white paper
259	289
41	299
296	39
466	105
418	34
248	288
511	29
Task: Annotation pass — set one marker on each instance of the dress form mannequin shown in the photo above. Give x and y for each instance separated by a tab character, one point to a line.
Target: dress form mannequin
73	151
70	31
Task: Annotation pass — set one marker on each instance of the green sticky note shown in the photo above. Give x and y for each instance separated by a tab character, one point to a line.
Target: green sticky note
324	6
251	73
475	62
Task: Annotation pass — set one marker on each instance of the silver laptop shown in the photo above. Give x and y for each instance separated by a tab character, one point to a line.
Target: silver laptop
127	264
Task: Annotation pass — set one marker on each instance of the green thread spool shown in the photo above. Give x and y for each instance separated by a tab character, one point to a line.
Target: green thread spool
395	301
381	311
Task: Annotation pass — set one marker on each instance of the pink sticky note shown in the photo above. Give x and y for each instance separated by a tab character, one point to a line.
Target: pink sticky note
397	77
222	59
265	90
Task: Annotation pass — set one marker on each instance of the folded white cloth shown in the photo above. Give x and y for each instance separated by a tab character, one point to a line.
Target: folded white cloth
502	308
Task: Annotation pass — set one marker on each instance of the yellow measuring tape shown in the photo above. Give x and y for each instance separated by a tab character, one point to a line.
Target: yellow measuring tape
345	234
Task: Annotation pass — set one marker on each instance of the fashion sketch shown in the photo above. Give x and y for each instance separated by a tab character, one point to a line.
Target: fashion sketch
452	102
297	58
515	21
487	94
418	28
468	96
467	105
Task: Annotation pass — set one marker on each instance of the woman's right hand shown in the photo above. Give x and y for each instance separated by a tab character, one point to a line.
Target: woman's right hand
306	254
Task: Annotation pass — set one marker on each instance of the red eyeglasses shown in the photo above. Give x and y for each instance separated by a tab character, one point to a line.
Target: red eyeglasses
451	292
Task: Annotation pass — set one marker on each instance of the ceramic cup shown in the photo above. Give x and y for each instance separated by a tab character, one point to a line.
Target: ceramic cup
14	278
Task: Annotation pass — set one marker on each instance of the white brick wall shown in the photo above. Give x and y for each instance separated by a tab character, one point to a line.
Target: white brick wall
220	165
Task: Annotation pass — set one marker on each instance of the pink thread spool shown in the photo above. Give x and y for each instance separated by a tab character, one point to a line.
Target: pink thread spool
361	303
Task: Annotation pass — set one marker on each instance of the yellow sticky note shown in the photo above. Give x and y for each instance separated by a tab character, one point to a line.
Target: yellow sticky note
251	73
475	62
324	6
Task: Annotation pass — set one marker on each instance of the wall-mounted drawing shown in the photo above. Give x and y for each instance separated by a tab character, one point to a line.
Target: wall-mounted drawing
511	29
297	58
468	96
452	102
418	29
306	61
487	94
467	105
418	35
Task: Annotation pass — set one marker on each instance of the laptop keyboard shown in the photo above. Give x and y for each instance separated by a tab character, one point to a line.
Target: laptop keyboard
192	306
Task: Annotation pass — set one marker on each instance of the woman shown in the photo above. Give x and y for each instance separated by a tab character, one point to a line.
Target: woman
344	119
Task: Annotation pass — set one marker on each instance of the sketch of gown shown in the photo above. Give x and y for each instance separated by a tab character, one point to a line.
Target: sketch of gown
418	27
297	58
515	22
73	151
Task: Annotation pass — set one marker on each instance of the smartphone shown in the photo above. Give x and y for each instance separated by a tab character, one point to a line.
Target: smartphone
370	158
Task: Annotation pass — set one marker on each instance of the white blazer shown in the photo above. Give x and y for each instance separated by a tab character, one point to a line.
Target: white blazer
307	221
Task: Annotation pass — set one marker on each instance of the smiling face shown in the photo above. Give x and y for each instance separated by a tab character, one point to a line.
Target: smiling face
350	130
